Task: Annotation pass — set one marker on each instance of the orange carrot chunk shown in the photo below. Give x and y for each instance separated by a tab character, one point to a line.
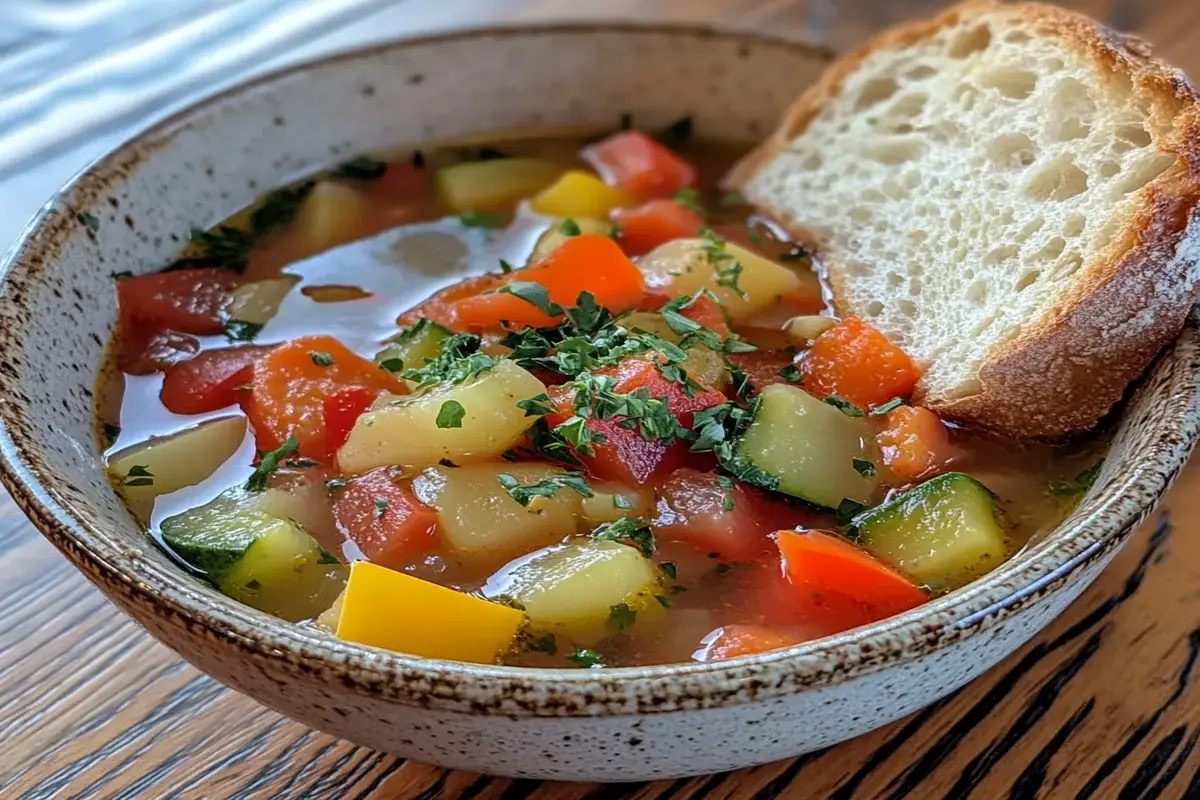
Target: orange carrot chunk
840	582
914	443
585	263
857	363
732	641
290	384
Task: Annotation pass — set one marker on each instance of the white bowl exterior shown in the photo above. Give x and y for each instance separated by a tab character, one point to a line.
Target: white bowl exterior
197	169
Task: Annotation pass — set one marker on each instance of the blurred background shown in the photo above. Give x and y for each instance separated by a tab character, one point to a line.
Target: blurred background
79	76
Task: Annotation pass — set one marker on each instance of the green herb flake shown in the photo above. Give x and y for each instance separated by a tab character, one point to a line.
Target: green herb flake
253	584
320	358
451	414
722	568
890	405
477	219
533	293
728	268
505	267
569	227
669	569
845	406
863	467
621	617
239	330
663	600
89	220
790	373
268	463
363	168
1080	484
588	659
278	209
138	475
547	487
847	510
689	198
536	406
627	531
381	506
392	364
335	483
622	502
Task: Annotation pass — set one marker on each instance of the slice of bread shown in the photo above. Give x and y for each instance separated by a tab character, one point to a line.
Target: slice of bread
1009	193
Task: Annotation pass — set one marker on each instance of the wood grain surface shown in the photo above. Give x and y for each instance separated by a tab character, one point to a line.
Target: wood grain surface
1102	704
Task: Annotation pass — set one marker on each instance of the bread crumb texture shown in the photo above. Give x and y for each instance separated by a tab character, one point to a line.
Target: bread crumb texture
978	182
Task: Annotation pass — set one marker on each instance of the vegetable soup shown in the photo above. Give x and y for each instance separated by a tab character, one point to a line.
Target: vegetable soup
552	400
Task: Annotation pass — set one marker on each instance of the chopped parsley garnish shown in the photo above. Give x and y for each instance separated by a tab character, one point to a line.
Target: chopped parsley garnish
505	267
268	463
381	506
547	487
689	198
120	276
663	601
627	531
278	209
451	414
533	293
726	265
668	568
224	246
722	568
89	220
863	467
335	483
392	364
239	330
1081	482
846	511
582	657
569	227
321	359
622	502
138	475
790	373
845	406
621	617
890	405
536	406
458	360
742	387
363	168
478	219
727	499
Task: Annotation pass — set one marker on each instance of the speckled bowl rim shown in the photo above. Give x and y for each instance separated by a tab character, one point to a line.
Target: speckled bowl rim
1107	519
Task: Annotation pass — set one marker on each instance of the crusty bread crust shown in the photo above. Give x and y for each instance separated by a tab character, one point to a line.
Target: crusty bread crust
1066	369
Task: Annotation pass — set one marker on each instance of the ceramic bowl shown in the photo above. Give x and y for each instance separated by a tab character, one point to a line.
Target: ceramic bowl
58	309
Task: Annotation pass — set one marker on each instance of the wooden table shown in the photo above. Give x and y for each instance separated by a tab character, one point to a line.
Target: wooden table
1101	704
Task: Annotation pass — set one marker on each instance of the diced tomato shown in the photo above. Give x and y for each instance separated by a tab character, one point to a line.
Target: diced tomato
625	455
438	307
341	411
210	380
186	300
732	641
640	166
762	367
715	514
384	518
707	312
143	352
644	228
857	363
290	384
915	442
586	263
843	584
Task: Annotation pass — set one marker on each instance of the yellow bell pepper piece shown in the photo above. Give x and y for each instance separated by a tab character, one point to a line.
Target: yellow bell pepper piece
580	194
395	611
